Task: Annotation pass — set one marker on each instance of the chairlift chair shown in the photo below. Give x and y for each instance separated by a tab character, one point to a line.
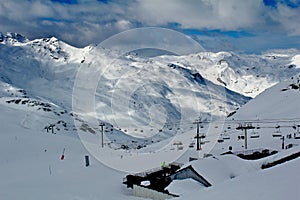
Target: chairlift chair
191	145
277	133
254	134
220	139
241	137
297	135
225	137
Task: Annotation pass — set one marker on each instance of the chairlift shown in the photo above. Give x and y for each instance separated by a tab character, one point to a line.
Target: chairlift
225	137
277	133
220	140
179	148
177	143
241	137
191	145
254	134
297	135
202	136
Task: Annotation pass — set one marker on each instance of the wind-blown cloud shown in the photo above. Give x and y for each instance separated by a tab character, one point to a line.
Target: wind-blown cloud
221	14
213	14
81	22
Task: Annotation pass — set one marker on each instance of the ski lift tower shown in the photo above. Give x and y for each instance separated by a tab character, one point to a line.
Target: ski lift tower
198	137
102	139
245	127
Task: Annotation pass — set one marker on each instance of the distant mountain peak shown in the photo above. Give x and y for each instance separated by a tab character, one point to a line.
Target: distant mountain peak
12	38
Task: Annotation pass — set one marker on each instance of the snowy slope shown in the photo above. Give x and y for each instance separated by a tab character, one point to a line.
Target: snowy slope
46	70
36	88
273	112
234	178
141	100
246	74
31	168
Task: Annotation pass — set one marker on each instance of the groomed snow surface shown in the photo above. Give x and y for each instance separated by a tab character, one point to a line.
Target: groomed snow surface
31	168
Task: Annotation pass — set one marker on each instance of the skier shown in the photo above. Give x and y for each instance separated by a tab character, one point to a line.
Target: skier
163	164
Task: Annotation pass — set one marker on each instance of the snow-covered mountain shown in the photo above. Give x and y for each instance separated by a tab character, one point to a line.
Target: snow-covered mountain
37	81
206	84
275	117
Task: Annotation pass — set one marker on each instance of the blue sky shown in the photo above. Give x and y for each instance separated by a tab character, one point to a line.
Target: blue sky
274	3
218	25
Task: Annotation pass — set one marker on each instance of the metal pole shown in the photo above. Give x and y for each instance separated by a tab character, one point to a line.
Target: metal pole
245	138
245	127
102	140
87	161
102	136
198	134
198	144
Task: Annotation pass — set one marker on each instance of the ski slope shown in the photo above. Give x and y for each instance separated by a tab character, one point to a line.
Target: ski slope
274	113
31	165
36	92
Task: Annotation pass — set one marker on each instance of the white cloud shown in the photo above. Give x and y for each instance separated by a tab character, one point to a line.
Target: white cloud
213	14
220	14
288	18
93	21
82	22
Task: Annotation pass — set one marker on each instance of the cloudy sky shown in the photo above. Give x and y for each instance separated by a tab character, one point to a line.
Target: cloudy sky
237	25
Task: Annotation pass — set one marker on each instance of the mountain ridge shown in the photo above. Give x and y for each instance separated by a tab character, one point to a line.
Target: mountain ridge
46	69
